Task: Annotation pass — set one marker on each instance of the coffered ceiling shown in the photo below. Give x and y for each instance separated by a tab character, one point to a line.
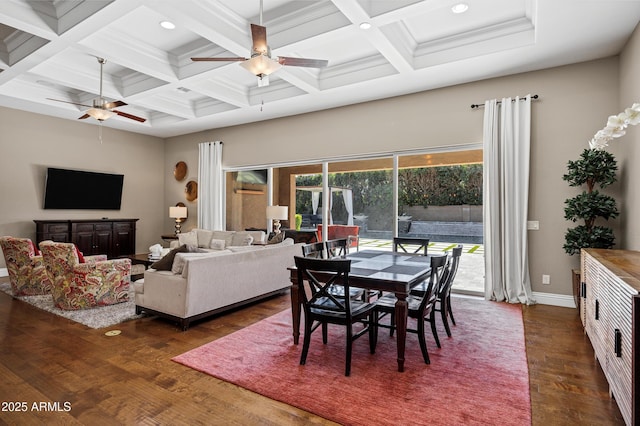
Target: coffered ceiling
48	49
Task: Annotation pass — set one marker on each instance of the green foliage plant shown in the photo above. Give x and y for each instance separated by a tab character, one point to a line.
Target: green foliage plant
595	168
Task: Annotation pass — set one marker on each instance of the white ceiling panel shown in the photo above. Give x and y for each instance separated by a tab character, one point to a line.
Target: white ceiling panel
49	49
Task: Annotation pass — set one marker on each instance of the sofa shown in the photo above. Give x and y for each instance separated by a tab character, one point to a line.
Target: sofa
210	281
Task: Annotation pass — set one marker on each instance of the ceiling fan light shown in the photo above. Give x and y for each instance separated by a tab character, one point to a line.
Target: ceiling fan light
100	114
261	65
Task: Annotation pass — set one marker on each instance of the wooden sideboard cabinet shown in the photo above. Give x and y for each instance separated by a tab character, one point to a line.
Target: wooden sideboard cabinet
610	313
113	237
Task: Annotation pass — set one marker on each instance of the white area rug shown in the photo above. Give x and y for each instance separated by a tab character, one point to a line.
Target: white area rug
101	317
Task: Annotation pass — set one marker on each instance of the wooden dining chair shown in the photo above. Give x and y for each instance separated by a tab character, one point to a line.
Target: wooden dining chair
411	245
314	250
419	308
337	248
443	300
317	277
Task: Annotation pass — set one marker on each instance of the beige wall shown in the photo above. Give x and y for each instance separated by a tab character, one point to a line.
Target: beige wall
29	143
574	102
627	148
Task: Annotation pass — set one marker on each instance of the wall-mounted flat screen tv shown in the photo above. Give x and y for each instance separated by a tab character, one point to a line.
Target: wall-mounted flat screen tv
77	189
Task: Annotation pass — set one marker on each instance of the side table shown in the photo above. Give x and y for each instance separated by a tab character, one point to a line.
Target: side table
140	259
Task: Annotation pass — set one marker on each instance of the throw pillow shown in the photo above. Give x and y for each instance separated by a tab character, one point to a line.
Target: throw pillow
278	238
241	239
166	262
79	253
204	237
190	238
217	244
224	235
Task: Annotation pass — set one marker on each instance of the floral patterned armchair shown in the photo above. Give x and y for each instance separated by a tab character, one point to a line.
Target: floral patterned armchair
27	273
74	285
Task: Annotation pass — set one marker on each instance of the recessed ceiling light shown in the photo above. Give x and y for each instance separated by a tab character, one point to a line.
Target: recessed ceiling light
365	26
460	8
167	25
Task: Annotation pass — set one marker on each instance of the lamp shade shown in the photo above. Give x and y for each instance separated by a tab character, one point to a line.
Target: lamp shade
277	212
177	212
100	114
261	65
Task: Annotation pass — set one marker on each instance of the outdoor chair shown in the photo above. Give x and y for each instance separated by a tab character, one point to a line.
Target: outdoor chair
27	273
76	285
419	308
317	277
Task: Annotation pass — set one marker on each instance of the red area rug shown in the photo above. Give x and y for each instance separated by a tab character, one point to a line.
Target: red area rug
479	376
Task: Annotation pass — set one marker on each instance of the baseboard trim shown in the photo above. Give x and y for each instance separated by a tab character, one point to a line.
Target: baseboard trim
562	300
4	272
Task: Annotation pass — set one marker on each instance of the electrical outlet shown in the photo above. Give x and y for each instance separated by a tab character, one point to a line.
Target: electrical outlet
533	225
546	279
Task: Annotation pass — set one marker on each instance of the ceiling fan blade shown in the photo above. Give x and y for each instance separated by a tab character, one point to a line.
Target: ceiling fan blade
113	104
303	62
130	116
69	102
84	116
259	37
218	59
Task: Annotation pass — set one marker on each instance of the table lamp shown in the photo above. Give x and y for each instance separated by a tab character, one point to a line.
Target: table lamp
179	214
277	213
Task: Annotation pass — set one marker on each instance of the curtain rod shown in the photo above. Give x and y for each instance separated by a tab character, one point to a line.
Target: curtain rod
533	97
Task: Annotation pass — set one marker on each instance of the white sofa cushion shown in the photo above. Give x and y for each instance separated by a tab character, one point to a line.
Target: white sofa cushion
217	244
241	238
179	262
259	237
204	237
189	238
227	236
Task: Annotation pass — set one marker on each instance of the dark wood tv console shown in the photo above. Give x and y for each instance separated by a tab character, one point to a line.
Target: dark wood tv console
113	237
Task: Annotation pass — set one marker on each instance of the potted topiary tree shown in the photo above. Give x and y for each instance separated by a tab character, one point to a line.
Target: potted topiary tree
595	167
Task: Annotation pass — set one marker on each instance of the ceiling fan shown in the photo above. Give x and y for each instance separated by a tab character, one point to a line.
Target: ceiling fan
260	63
102	110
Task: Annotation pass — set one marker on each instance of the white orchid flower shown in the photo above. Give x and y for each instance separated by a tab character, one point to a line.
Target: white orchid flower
616	125
633	114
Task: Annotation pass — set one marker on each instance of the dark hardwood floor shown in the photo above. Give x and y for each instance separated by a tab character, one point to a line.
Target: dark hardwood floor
130	378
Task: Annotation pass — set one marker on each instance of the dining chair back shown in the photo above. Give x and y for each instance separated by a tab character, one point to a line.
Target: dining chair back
443	304
419	308
314	250
321	306
411	245
337	248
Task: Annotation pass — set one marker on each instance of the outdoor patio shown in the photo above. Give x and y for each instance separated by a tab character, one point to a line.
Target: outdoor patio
470	276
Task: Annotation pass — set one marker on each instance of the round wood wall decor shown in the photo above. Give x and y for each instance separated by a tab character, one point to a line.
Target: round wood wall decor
180	171
192	190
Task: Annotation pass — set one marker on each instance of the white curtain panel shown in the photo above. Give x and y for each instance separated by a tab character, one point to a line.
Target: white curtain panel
315	201
210	190
347	196
507	134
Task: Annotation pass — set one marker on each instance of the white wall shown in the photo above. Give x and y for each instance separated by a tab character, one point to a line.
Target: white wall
29	143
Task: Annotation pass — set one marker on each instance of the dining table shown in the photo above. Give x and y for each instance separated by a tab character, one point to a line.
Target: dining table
376	270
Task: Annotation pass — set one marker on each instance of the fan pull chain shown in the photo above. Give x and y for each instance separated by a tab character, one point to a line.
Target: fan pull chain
261	105
100	132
